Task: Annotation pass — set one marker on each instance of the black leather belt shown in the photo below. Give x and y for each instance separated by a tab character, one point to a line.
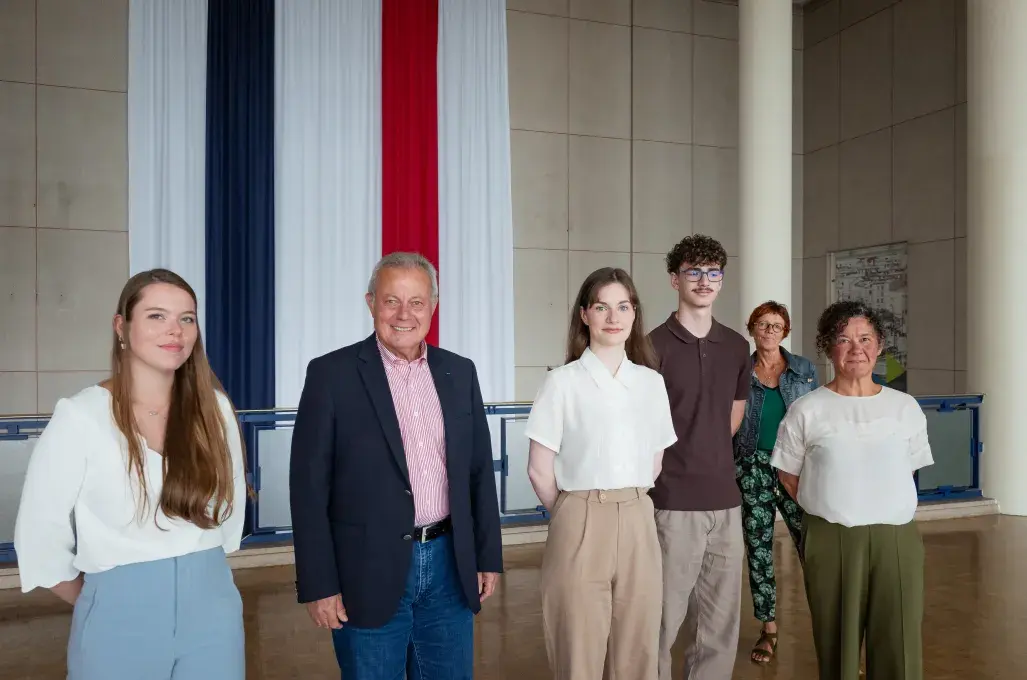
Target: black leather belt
430	531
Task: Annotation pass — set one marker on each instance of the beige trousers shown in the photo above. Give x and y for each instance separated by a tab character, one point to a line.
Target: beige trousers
601	589
703	552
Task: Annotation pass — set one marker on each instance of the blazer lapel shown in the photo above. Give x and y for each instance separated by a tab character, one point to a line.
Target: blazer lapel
444	388
372	371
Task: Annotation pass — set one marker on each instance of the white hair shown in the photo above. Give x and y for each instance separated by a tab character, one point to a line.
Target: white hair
405	261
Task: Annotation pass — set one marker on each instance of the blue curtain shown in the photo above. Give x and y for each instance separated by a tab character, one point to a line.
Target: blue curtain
240	199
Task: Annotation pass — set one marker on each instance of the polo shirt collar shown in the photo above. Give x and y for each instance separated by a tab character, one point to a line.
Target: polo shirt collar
398	360
716	333
597	369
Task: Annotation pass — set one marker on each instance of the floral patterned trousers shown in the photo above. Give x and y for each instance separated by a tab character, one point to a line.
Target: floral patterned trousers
762	495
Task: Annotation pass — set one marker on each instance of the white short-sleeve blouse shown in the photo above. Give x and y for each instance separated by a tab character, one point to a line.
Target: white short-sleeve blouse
606	429
855	456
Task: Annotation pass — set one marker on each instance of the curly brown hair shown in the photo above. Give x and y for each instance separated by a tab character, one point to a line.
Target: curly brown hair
697	249
836	317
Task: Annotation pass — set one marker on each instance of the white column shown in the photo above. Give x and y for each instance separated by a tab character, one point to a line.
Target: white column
765	152
997	240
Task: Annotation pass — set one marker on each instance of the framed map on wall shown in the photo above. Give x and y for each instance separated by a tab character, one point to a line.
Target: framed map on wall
877	276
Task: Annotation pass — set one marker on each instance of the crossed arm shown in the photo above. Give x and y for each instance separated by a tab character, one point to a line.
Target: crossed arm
542	474
790	483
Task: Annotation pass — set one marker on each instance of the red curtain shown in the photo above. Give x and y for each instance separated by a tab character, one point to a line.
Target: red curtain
410	157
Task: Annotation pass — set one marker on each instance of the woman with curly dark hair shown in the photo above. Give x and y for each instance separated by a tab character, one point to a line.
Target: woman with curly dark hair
847	453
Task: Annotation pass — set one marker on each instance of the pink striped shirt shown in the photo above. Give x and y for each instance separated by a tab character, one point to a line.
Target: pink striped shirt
422	429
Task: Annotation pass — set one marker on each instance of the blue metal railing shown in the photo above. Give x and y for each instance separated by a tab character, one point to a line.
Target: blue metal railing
953	427
268	453
956	424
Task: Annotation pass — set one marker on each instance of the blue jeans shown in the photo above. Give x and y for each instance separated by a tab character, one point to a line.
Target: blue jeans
431	635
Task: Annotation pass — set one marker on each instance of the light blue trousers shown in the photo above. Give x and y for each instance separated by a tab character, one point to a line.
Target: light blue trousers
173	619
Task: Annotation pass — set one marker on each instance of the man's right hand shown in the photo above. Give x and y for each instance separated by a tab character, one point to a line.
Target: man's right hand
328	613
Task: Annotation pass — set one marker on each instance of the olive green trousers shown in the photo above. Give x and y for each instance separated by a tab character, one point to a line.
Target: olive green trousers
865	581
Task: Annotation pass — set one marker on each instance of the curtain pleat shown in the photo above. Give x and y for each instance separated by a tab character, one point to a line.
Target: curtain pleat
240	225
475	209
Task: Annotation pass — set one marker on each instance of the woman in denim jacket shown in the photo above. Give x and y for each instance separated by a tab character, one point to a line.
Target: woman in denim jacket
778	379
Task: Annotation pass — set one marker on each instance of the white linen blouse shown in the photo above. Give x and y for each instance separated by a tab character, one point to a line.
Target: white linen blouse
855	456
79	506
606	429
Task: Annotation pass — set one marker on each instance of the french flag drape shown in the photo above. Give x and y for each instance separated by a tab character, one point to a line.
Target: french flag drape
389	131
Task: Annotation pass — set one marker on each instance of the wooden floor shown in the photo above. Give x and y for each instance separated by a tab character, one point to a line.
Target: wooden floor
975	624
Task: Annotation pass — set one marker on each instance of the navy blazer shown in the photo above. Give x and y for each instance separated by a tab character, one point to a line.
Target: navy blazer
352	505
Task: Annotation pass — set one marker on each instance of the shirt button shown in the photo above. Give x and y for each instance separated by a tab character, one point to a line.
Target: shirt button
407	537
602	496
415	414
408	492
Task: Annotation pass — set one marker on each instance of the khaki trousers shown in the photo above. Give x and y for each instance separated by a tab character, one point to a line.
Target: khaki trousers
601	586
866	580
703	553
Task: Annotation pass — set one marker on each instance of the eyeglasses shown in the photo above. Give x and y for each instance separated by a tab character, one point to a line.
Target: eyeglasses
695	274
775	327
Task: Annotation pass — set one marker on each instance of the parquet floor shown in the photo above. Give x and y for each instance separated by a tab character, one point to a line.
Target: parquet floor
975	624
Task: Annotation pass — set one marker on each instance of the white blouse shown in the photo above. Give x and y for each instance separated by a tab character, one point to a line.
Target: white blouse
79	507
606	430
855	456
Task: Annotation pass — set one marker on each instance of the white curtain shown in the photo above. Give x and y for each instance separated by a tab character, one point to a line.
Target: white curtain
327	179
167	93
475	213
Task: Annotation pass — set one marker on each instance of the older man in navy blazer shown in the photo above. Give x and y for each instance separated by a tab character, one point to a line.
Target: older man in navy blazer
394	510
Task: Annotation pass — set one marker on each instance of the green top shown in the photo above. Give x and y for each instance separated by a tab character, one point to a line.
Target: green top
771	416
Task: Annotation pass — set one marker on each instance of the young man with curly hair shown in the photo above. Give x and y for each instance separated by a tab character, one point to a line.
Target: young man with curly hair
706	368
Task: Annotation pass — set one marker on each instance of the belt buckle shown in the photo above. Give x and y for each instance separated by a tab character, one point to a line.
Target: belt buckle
424	534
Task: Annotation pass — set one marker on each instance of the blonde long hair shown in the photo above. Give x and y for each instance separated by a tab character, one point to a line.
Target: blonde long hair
197	463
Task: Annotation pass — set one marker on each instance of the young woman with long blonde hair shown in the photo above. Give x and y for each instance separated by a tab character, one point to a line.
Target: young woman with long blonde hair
135	492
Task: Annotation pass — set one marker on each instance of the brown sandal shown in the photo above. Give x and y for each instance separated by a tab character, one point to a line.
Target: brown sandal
763	656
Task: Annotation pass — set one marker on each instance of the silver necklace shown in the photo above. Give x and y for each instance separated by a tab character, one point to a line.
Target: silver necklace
775	372
153	413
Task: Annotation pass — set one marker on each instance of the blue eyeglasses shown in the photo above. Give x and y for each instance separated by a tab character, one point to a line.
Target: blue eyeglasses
695	274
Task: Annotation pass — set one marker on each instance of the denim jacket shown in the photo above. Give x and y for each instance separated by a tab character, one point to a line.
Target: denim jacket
798	379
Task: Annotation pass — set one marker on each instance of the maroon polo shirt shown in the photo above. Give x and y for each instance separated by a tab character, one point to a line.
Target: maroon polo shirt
704	377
